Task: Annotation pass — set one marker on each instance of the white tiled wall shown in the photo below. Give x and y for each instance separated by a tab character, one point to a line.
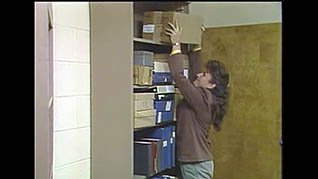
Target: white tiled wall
71	78
71	146
72	14
71	72
73	171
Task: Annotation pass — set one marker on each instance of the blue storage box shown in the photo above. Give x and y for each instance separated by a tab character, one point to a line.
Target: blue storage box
161	78
173	145
164	134
164	97
163	106
164	116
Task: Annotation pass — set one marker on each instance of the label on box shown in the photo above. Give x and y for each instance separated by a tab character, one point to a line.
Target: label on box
173	134
165	143
150	28
171	140
159	116
168	105
168	88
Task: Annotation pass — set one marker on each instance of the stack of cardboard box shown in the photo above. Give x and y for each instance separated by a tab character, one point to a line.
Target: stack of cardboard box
144	112
143	66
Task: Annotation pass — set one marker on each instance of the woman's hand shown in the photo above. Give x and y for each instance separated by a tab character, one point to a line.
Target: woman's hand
174	33
202	28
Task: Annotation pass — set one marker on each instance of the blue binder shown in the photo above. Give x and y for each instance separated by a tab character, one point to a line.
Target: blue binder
158	157
161	78
143	164
164	110
164	116
163	106
162	133
173	145
164	97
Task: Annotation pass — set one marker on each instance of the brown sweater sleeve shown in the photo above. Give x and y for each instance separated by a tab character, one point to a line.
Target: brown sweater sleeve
192	94
194	64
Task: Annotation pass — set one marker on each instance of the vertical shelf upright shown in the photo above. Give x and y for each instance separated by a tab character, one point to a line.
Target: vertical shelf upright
111	90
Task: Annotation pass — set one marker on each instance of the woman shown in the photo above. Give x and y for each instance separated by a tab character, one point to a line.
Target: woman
204	105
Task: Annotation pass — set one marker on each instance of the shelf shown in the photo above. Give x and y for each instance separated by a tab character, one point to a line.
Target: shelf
159	6
157	47
147	41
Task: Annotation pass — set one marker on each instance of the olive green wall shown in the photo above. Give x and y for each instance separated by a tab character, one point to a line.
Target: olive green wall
248	145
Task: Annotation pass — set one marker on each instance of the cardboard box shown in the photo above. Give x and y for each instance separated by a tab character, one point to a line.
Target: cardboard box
155	23
155	32
154	17
144	96
163	57
161	67
144	118
142	75
142	57
140	105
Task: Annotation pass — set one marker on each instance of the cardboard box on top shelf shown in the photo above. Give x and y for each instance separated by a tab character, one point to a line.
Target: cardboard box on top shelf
183	9
155	23
154	17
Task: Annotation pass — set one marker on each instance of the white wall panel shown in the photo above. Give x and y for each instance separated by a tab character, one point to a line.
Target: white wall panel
71	90
64	113
73	14
82	111
64	43
78	170
71	146
82	46
71	79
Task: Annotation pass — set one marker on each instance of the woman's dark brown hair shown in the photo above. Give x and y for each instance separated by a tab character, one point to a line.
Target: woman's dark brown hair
220	92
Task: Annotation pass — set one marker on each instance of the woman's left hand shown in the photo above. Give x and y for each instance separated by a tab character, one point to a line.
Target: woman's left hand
174	33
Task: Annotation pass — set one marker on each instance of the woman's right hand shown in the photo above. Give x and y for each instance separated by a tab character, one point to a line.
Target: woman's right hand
174	33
